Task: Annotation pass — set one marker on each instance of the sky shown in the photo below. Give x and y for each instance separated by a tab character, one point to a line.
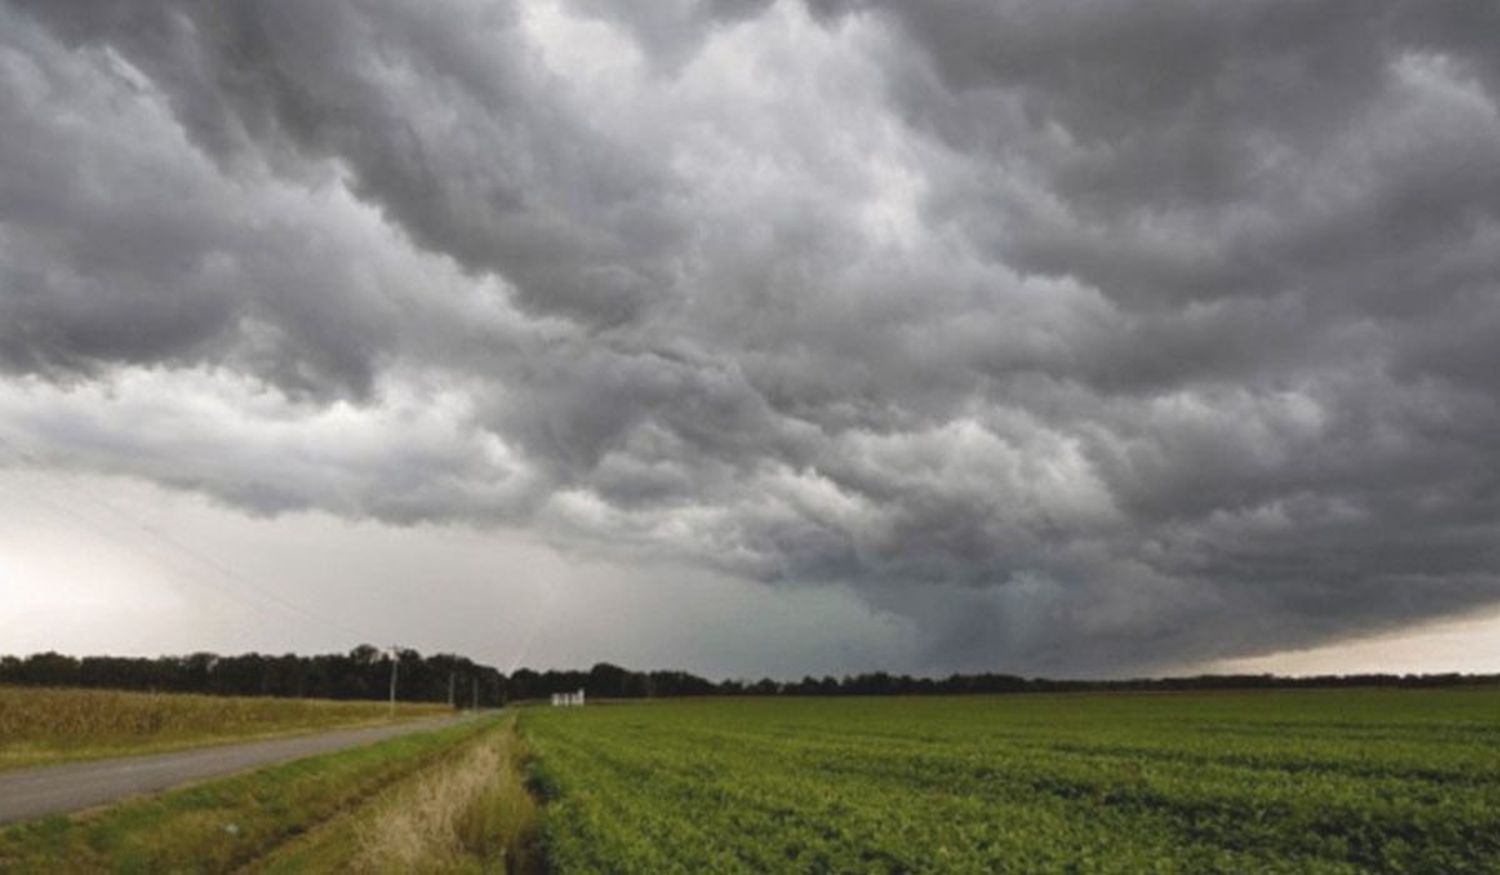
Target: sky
751	337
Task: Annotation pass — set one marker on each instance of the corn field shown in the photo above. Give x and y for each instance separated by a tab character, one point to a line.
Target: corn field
40	725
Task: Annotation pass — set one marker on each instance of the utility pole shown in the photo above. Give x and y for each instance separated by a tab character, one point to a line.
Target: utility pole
476	692
395	661
452	676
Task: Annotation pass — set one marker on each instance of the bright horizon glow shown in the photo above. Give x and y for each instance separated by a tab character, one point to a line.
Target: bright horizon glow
1468	645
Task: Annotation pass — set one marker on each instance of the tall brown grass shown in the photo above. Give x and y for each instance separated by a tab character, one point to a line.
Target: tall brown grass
39	725
473	810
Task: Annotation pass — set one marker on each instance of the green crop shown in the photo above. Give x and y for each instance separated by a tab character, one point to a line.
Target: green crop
1305	781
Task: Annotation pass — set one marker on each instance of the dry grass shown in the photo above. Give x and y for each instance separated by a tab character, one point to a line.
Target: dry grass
228	823
473	812
39	725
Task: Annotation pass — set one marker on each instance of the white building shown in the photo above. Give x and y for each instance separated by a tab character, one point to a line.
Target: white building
567	700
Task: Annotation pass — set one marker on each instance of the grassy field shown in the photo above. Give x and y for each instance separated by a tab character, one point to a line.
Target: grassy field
43	726
328	813
1307	781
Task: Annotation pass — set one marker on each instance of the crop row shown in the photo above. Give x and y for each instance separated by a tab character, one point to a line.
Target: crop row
1022	784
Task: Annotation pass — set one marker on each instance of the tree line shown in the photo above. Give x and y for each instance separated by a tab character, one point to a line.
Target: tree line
364	673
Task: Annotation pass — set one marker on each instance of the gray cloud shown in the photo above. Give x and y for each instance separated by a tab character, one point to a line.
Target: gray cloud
671	33
1084	337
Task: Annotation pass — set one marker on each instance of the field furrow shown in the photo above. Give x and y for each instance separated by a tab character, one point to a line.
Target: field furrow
1347	781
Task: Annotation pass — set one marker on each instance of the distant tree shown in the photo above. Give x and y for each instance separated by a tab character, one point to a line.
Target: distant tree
364	673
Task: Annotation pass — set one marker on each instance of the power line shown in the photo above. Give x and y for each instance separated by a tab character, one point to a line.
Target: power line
536	625
244	589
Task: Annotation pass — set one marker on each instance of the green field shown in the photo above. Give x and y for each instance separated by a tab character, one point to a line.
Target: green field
1306	781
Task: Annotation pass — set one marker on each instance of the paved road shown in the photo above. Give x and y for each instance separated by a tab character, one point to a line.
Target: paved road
29	793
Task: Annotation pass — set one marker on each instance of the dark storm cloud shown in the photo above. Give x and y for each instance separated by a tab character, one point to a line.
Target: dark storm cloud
1088	336
671	32
440	120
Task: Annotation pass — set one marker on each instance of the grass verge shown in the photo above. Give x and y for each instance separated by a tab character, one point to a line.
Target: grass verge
468	812
223	824
41	726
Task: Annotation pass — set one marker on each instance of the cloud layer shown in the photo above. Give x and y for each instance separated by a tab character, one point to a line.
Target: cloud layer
1080	336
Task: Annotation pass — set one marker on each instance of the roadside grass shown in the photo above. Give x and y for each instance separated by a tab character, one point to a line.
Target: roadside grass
468	812
224	824
42	726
